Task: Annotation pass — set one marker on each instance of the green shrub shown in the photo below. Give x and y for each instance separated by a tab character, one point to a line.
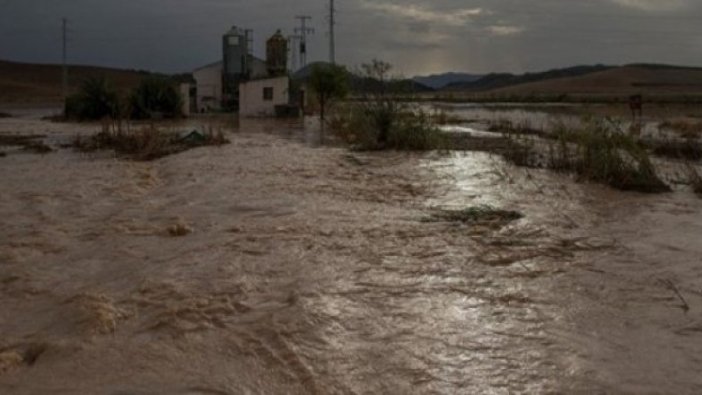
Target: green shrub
156	96
367	127
415	131
96	99
380	120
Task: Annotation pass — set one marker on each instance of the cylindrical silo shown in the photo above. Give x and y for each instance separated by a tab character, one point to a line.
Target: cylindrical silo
277	54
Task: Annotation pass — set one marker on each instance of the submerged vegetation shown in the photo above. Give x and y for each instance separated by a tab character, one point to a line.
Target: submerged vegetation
30	143
378	121
146	144
597	151
370	128
484	214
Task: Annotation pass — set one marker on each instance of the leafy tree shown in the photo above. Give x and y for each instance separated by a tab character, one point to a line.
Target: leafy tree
156	95
329	82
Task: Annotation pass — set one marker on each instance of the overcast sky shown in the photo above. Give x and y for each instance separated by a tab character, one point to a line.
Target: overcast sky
419	37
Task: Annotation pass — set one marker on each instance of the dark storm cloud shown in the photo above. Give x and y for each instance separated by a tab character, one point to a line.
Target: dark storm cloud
418	36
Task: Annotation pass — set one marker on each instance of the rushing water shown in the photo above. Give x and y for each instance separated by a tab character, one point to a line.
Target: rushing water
309	269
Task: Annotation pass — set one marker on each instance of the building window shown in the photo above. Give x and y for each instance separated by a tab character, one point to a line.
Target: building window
268	94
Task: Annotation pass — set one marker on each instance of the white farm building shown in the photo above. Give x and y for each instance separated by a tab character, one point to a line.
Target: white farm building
246	83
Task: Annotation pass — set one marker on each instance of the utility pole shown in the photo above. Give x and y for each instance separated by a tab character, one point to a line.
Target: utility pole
64	30
303	31
248	56
332	22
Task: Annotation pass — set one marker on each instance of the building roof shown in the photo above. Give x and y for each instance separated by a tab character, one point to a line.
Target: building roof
220	63
214	64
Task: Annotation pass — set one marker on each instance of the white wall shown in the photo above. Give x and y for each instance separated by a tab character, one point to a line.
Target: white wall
209	86
185	96
251	101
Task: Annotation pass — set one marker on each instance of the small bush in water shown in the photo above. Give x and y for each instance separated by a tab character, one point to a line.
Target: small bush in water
379	120
145	144
385	126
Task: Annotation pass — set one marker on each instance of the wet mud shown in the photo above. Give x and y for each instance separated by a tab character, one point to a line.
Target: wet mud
276	264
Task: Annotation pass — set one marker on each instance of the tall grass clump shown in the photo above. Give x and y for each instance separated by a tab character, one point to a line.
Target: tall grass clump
520	149
599	152
146	144
414	131
96	99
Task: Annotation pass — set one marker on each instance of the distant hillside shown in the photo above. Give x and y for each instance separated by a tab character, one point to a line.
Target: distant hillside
40	83
439	81
631	79
500	80
598	80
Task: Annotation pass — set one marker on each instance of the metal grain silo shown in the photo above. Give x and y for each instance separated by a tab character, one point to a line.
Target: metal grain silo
277	54
235	48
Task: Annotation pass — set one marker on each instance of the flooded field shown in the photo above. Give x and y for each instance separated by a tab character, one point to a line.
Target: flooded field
280	264
545	116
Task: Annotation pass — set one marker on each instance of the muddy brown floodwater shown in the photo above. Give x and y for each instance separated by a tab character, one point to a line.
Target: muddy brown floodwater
304	269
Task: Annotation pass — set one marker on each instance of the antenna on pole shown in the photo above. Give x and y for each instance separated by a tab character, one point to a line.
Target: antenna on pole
248	56
303	31
332	22
64	84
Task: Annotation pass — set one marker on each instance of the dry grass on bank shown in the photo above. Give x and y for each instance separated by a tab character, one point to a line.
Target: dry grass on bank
146	144
29	143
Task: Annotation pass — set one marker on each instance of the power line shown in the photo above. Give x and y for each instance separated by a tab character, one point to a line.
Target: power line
332	44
